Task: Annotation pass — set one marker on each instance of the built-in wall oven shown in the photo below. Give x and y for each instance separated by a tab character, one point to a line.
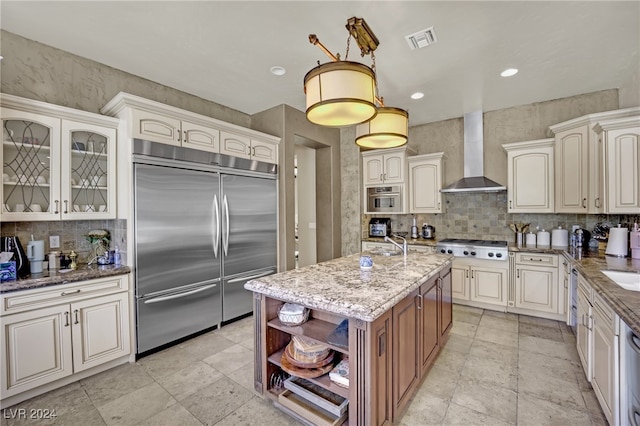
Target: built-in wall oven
384	199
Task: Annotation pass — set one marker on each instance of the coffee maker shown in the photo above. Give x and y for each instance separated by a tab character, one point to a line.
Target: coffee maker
12	244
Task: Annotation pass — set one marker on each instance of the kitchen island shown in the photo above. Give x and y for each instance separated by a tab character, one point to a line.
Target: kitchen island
399	315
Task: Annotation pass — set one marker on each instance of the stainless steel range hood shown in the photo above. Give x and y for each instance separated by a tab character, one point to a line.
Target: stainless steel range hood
474	179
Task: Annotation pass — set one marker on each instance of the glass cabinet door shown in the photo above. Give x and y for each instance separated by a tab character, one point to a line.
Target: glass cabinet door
88	171
30	172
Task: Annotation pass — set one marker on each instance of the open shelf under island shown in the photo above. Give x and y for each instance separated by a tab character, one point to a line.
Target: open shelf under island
399	315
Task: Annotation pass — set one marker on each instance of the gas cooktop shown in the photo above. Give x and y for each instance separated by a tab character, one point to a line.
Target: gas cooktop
478	249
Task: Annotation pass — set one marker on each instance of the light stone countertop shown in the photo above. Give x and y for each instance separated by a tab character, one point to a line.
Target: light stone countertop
49	278
341	287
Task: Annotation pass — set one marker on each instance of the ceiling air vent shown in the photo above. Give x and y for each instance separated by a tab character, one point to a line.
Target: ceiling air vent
421	39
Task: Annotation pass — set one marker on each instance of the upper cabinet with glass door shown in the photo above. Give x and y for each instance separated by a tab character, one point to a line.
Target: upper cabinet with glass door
57	163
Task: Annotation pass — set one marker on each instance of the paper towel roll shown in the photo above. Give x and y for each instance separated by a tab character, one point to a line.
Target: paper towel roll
618	244
559	237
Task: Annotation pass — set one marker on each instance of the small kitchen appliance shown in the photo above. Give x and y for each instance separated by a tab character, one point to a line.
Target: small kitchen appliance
414	229
12	244
380	227
384	199
35	254
618	244
428	232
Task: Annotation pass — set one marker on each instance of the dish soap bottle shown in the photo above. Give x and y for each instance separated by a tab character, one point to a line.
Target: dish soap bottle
116	257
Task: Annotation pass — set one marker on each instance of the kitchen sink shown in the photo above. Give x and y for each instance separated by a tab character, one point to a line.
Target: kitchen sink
626	280
385	252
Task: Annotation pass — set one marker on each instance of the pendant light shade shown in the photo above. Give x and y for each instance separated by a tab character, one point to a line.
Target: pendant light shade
388	129
340	94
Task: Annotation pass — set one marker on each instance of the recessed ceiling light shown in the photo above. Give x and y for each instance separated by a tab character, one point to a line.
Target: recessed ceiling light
278	70
509	72
417	95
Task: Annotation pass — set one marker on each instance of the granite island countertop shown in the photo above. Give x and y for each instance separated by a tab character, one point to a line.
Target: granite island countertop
57	277
340	286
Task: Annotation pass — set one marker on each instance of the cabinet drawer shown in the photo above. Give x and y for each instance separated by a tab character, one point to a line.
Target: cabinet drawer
607	314
421	249
31	299
537	259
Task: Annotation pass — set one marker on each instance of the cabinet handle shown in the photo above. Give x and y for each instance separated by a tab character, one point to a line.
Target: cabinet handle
467	273
518	273
66	207
66	293
419	302
179	136
438	205
597	202
66	319
584	203
439	280
472	271
382	345
510	206
254	151
76	315
590	318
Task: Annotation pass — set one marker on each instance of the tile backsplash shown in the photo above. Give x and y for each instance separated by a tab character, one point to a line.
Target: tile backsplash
484	216
71	233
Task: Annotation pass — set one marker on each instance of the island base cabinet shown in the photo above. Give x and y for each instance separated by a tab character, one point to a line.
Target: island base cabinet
388	357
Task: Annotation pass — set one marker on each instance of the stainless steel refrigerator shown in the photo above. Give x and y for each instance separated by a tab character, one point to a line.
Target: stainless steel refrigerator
201	231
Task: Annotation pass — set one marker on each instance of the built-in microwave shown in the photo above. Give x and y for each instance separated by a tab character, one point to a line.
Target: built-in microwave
384	199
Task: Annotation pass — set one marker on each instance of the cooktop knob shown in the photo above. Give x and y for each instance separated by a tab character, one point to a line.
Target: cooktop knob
498	254
443	251
466	253
473	253
490	254
450	251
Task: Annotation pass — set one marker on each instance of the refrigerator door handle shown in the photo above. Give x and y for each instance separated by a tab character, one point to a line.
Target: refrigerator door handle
251	277
178	296
225	236
216	227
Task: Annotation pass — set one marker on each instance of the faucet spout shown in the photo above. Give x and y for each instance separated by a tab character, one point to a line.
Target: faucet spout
402	247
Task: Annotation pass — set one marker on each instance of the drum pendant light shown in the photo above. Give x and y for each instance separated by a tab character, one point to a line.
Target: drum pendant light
344	93
388	129
340	94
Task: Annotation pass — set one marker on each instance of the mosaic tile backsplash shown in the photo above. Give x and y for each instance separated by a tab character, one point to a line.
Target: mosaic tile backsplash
71	232
484	216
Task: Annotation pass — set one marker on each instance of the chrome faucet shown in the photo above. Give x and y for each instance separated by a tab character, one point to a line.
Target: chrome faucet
402	247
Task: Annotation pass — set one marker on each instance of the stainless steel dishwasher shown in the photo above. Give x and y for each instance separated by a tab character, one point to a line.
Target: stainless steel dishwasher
630	377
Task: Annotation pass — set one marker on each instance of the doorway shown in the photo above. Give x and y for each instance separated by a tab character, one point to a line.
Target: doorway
314	215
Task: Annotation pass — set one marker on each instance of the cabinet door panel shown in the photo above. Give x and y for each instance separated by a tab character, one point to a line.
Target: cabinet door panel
583	334
531	189
430	323
623	174
101	332
460	283
235	145
446	303
571	171
36	349
266	152
536	289
406	347
155	127
373	169
393	168
425	188
604	366
489	286
200	137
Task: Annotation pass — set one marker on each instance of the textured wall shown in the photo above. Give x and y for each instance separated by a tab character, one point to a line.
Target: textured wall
484	216
37	71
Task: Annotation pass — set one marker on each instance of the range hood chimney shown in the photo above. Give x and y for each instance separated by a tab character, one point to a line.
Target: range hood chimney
474	179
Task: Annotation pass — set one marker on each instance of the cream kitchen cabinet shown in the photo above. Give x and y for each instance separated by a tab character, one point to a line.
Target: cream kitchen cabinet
174	131
479	282
584	327
621	141
384	167
246	147
51	333
536	288
425	181
579	176
158	122
58	163
530	171
605	365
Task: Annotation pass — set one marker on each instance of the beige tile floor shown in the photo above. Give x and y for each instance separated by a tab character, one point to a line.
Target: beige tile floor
495	369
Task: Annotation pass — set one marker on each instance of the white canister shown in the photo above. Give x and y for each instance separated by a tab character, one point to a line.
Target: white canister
559	237
544	239
531	240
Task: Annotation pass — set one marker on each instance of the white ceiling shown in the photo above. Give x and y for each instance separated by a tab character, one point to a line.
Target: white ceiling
222	51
